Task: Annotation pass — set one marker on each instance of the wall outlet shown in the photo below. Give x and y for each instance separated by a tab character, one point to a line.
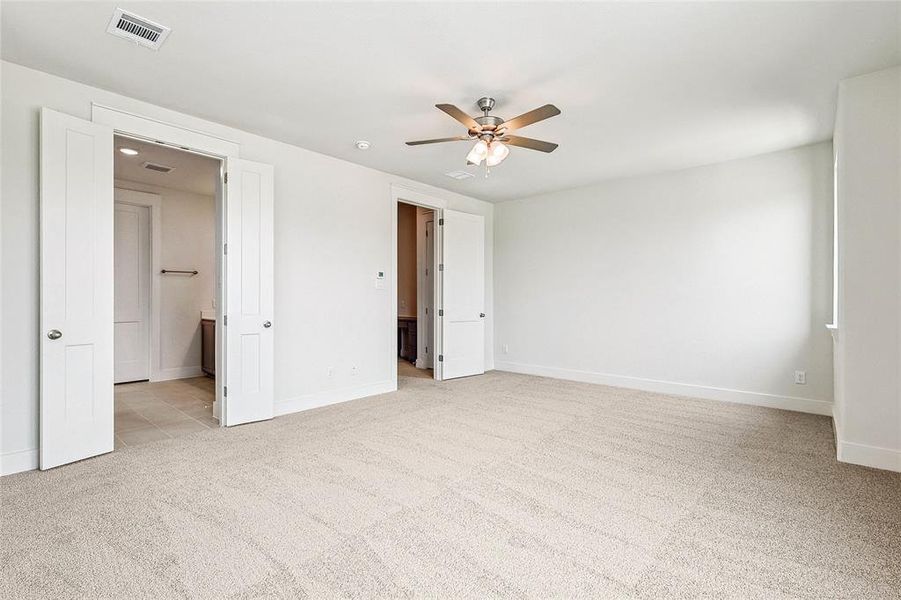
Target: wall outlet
801	377
505	349
353	369
331	371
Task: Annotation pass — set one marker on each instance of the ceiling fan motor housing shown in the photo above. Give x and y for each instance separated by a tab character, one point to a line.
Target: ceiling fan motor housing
489	124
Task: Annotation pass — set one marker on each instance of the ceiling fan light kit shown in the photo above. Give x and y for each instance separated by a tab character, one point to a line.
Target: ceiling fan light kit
492	132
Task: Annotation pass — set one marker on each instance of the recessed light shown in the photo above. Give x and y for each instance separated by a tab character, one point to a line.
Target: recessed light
128	151
362	145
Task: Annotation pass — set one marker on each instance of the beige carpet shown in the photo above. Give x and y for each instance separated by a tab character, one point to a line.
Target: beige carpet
495	486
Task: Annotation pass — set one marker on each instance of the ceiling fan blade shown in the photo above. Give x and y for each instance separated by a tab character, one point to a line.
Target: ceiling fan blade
533	116
439	140
459	115
524	142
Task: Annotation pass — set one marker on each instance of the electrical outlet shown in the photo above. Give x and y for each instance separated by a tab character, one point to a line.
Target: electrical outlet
331	371
801	377
353	369
505	348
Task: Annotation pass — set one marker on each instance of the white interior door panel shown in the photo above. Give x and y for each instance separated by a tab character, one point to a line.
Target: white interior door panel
249	387
76	400
463	323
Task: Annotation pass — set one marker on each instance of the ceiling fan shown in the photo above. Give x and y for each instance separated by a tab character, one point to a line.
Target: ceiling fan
493	133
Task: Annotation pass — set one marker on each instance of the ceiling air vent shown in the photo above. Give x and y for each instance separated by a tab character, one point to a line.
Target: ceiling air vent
158	167
459	175
137	29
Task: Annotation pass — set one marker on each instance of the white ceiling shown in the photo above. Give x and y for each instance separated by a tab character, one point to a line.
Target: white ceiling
642	87
191	172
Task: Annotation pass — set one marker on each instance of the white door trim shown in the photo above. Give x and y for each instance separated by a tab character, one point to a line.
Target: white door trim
154	203
408	195
424	359
183	138
154	130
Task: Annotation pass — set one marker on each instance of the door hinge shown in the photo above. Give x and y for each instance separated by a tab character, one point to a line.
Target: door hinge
440	312
441	267
225	391
440	222
426	272
225	320
224	248
440	358
226	178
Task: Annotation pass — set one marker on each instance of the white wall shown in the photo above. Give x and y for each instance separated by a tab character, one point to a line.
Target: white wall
867	352
188	241
712	282
333	232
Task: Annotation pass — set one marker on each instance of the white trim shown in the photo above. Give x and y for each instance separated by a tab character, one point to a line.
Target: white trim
18	461
862	454
869	456
805	405
407	195
154	202
422	220
402	193
315	400
157	131
178	373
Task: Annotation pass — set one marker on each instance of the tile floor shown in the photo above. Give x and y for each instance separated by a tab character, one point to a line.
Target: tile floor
408	369
147	412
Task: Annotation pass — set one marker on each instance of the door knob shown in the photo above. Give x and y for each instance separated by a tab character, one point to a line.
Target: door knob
54	334
267	324
482	315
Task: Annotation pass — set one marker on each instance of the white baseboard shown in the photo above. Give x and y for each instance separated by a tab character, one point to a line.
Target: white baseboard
177	373
863	454
805	405
315	400
16	462
869	456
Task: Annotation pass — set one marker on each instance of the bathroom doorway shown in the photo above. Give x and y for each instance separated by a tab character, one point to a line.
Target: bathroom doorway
166	285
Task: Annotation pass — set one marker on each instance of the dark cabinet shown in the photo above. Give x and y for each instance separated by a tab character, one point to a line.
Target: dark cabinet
208	346
406	338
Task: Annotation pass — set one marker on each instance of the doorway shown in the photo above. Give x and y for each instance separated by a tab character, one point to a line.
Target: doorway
77	296
166	282
415	291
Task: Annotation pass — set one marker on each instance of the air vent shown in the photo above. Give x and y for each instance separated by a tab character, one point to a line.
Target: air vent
137	29
158	167
459	175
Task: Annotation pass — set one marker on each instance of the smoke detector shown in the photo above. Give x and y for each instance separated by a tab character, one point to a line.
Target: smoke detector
139	30
158	167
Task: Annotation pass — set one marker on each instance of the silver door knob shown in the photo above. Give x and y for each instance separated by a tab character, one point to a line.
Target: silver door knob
267	324
54	334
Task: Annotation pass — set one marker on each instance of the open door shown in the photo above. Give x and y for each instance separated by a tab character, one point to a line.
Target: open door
249	297
463	324
76	398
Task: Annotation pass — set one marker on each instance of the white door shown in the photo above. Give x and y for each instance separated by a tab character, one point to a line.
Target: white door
463	324
428	287
249	393
131	277
76	403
